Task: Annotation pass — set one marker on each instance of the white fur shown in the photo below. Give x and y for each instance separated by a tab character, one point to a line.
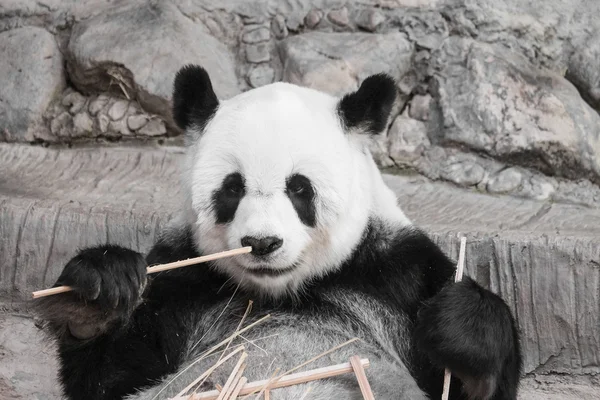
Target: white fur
268	134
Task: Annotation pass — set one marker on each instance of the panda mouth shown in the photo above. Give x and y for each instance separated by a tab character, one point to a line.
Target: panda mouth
267	271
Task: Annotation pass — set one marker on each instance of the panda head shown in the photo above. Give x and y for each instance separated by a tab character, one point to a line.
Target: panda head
284	169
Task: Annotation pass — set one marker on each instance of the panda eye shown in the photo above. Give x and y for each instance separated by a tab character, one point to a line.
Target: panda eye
234	185
298	185
235	189
297	188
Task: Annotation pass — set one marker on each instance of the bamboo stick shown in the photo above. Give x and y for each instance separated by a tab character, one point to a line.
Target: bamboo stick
234	377
209	352
277	378
264	388
363	383
248	308
238	388
157	268
287	380
459	274
210	370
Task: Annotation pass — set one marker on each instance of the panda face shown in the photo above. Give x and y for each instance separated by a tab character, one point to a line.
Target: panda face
274	168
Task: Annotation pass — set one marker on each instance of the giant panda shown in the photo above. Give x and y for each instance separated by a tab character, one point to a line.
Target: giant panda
286	170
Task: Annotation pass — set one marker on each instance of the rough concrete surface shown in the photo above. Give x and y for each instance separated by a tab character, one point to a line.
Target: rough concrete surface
28	367
31	72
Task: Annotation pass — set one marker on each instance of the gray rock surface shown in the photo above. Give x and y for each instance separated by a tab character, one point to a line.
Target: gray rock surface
505	181
31	73
257	35
494	101
407	139
520	110
103	123
83	124
542	257
279	27
257	53
339	16
29	365
370	19
118	110
338	62
118	128
419	107
62	126
464	171
313	18
261	75
75	101
98	104
584	70
141	46
154	127
135	122
78	117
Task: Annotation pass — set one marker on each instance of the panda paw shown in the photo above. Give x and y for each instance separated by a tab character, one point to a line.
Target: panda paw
470	331
107	281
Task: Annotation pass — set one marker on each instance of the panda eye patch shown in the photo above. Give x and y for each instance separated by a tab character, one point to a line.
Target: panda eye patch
302	195
226	199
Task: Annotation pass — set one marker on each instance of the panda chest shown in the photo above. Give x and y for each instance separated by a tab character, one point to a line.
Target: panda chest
281	328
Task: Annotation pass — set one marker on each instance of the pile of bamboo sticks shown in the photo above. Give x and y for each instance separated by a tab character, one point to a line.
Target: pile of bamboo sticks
237	384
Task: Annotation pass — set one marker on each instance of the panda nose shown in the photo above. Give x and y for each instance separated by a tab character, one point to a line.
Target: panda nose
262	246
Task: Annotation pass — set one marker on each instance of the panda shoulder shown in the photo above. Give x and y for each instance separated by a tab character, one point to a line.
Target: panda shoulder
391	251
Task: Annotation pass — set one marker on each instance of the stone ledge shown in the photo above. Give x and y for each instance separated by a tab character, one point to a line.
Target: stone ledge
542	257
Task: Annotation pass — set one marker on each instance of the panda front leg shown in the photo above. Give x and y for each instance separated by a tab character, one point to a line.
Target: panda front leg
471	331
104	350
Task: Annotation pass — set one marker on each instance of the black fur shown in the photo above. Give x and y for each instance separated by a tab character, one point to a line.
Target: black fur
108	283
368	109
411	275
194	101
226	199
302	195
480	351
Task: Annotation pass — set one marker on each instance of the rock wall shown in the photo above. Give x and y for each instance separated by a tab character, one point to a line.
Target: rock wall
502	97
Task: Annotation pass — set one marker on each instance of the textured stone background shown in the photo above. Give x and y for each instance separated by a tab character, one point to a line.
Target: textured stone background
497	96
496	135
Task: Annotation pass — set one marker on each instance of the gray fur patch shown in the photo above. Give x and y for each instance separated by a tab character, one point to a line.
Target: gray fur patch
287	340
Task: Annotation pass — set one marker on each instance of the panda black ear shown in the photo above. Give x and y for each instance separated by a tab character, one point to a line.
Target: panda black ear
194	100
368	109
